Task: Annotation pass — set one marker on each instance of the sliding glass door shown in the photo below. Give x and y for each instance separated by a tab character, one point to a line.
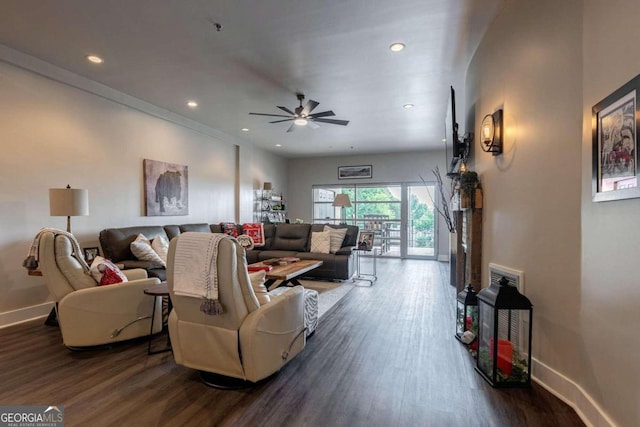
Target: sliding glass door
400	215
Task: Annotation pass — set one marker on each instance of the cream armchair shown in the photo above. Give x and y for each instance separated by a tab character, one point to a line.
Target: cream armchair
247	342
89	314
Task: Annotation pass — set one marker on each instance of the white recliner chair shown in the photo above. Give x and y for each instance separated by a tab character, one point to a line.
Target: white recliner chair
89	314
247	342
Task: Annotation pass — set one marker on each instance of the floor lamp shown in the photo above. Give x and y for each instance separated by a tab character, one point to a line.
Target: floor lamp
342	201
68	202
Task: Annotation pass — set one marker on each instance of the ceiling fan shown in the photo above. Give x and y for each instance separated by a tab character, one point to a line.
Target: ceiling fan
302	116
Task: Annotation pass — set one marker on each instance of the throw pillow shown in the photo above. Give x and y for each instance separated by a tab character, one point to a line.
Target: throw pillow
161	247
229	228
256	231
105	272
257	283
245	241
337	237
141	248
320	242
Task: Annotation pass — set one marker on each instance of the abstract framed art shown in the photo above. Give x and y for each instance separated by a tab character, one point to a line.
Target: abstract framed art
615	124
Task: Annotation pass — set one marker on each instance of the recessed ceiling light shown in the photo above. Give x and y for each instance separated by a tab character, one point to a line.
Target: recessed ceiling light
192	104
95	59
396	47
408	106
444	139
245	129
278	145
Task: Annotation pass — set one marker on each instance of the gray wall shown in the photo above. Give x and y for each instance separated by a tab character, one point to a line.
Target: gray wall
386	168
547	70
54	134
610	292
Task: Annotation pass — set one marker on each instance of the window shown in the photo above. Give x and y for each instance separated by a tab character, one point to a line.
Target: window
381	209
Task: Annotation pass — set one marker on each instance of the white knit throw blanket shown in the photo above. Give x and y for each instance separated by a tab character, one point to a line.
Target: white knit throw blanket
194	269
31	262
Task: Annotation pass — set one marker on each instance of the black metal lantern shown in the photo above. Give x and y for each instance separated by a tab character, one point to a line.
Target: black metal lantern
466	312
504	335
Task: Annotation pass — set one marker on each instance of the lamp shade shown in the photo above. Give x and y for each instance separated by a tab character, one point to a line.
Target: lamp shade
342	200
68	202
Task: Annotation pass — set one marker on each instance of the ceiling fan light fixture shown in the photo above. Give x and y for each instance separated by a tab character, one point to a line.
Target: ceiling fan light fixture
303	116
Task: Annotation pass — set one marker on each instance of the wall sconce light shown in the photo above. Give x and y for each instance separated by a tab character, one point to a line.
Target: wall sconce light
491	133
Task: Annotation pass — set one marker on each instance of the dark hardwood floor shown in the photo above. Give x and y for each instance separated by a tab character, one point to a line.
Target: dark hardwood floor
383	356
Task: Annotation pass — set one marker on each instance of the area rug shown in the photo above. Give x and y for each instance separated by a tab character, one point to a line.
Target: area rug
329	293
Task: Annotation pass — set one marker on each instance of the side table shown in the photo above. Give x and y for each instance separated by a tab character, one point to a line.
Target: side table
159	290
369	277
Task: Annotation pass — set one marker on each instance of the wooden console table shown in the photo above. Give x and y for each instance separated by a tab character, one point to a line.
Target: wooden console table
469	247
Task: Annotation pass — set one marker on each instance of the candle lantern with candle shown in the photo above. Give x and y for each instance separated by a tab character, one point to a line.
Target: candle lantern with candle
466	312
504	335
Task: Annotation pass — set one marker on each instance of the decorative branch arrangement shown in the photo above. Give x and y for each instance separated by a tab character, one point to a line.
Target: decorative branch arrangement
443	209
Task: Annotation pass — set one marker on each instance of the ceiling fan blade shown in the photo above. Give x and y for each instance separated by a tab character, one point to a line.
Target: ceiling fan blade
270	115
285	120
312	125
292	127
323	114
333	121
309	107
286	110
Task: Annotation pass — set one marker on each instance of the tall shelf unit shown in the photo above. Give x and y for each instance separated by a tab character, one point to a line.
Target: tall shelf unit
271	207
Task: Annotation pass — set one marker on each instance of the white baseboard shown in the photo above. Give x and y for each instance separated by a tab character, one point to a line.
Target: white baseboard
571	394
443	258
24	314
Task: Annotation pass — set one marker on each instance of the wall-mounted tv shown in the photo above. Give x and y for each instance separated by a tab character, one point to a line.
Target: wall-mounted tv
455	148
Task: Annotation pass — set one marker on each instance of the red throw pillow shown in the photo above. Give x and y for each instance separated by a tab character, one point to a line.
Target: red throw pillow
110	276
105	272
229	228
255	231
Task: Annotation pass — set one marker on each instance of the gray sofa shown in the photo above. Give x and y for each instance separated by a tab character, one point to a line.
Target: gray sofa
280	240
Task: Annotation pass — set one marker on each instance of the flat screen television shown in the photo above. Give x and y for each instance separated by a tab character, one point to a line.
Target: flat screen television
454	148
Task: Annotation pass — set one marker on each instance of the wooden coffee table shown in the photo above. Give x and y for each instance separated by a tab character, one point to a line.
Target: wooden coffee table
288	273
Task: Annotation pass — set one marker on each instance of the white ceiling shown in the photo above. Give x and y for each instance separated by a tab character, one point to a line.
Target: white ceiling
334	51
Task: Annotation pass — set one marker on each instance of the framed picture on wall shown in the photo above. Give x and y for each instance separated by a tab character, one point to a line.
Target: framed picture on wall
615	124
353	172
166	188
